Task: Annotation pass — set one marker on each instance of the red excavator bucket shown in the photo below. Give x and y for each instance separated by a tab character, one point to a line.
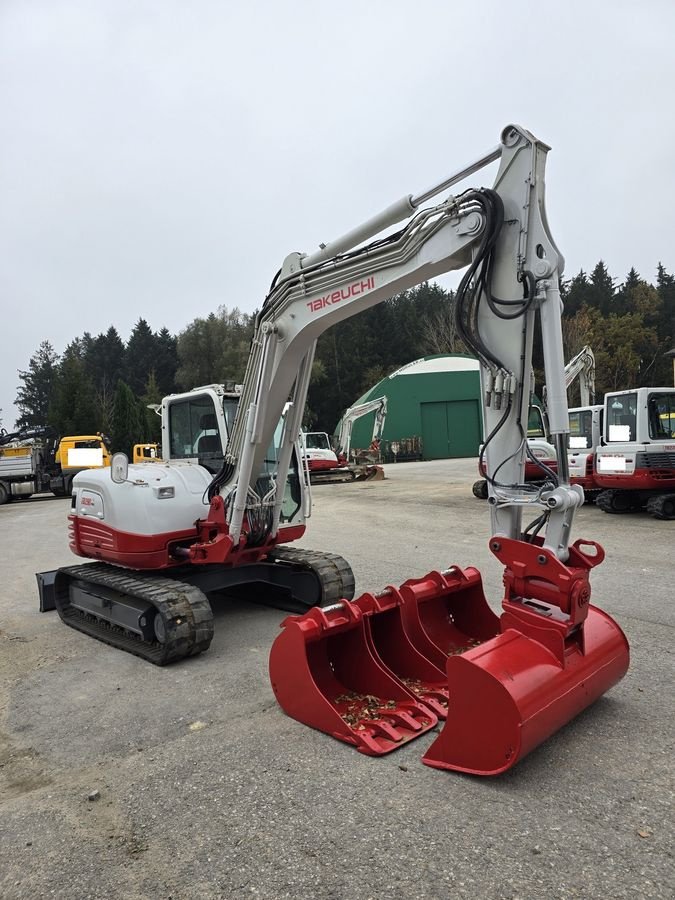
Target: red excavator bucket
413	630
511	693
354	670
324	674
555	656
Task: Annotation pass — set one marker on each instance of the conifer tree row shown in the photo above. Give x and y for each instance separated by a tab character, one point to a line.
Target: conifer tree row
103	384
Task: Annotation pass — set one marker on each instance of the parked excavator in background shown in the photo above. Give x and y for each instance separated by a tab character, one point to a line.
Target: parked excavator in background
321	460
635	464
585	423
33	461
362	463
378	671
333	461
343	440
583	440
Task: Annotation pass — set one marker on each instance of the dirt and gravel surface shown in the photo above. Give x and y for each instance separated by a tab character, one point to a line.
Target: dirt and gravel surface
203	788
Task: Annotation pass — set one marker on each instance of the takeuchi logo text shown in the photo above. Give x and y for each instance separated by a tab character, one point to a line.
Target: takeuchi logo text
352	290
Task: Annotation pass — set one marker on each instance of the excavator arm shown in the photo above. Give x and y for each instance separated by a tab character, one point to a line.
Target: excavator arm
351	415
501	237
582	366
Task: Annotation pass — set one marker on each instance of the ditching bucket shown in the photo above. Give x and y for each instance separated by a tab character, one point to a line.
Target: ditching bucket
555	656
324	674
511	693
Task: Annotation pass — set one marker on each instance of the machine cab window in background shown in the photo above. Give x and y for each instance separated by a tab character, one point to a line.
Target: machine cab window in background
317	440
621	419
535	423
661	416
193	427
580	436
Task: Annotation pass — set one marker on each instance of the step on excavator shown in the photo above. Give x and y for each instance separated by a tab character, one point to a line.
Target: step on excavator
383	669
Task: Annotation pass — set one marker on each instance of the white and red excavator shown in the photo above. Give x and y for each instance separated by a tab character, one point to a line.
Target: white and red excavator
635	461
353	414
220	512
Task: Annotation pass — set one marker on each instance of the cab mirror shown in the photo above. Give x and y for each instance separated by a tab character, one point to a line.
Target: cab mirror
119	468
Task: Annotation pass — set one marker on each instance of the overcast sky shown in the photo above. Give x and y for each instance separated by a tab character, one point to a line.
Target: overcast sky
160	158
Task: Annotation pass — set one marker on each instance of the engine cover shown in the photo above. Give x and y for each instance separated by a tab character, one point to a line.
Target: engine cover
134	523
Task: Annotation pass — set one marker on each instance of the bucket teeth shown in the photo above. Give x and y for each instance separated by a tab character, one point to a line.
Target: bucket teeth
382	670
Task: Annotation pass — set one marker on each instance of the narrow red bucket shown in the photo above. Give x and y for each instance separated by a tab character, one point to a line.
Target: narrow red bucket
325	675
390	644
446	613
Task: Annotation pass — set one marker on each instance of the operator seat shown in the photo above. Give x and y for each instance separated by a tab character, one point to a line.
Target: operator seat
209	448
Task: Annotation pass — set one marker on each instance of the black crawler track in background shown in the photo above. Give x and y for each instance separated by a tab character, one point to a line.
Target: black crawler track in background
333	571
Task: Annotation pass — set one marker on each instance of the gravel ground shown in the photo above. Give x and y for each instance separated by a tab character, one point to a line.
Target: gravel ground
207	790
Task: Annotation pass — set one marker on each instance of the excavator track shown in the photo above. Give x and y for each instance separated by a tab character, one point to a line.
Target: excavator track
175	618
662	506
615	501
333	572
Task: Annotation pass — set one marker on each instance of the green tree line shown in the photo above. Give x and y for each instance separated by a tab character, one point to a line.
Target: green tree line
104	384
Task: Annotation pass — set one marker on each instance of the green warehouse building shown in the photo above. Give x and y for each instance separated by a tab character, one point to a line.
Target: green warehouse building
433	409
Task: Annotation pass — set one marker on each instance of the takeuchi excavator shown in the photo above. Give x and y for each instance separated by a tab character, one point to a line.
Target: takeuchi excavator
635	462
353	414
220	512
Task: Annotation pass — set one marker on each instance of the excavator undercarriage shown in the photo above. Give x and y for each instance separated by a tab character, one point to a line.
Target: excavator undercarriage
166	616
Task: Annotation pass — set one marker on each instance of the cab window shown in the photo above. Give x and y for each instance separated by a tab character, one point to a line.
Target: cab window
535	423
580	436
317	440
661	411
193	427
621	418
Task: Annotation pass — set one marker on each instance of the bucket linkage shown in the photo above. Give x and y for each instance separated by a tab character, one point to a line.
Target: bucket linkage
383	669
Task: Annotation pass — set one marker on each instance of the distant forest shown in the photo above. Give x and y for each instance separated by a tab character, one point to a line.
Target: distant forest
104	384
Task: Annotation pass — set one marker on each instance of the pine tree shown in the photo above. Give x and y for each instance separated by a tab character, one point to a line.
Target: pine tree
140	356
73	409
150	422
602	289
104	359
35	395
166	361
127	428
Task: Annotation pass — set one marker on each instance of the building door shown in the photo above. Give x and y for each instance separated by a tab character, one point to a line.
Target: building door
450	429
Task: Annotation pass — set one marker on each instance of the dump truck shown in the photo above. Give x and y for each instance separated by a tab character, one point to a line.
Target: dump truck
222	514
32	462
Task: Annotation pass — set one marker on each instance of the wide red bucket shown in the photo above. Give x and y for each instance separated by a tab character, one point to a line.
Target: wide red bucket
513	692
